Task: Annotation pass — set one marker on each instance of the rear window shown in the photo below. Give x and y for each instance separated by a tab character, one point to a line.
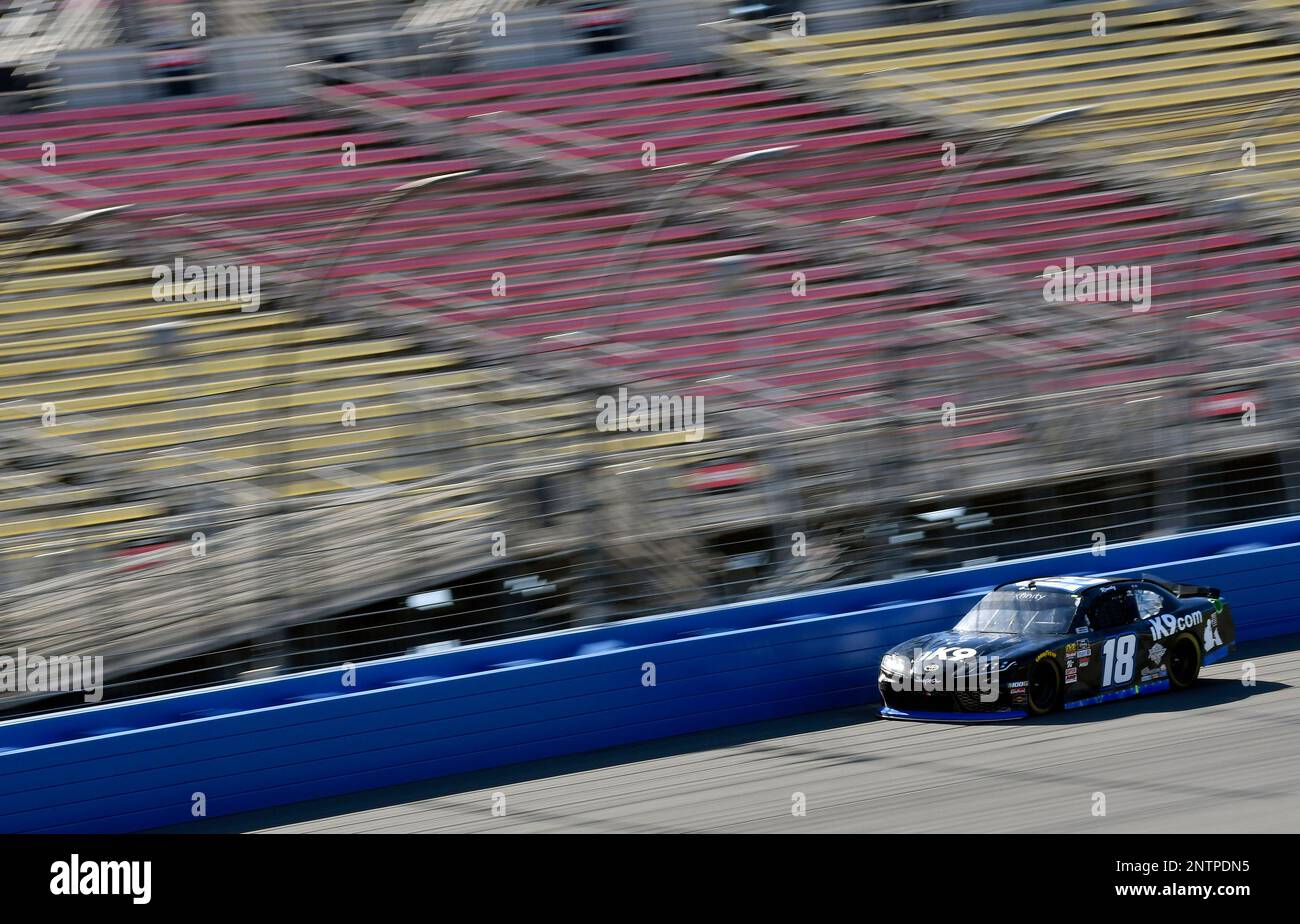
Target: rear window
1021	612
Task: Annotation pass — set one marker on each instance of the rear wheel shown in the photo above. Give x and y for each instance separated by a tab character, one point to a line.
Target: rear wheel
1044	687
1184	662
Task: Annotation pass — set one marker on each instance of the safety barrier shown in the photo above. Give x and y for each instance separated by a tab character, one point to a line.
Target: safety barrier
143	763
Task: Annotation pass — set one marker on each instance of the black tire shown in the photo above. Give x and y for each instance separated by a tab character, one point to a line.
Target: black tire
1045	687
1184	662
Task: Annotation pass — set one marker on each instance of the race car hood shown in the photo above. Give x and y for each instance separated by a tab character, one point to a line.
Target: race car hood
1005	647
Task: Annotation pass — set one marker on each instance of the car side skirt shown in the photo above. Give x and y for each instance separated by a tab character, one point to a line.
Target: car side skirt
1155	686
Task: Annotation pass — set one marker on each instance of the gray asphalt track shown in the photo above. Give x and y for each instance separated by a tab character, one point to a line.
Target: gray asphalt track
1224	757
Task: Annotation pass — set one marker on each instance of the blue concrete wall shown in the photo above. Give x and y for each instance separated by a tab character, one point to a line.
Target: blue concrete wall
134	765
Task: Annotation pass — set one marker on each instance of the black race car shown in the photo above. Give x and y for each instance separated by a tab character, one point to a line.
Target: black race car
1031	647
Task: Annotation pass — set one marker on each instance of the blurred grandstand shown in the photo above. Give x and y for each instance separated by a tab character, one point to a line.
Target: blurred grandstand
465	239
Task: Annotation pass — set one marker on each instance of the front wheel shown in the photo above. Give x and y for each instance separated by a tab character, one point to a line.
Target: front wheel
1044	688
1184	662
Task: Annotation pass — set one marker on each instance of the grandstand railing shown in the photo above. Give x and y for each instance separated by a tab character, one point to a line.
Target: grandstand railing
250	569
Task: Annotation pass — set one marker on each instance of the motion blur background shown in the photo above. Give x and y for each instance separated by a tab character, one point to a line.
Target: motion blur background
472	221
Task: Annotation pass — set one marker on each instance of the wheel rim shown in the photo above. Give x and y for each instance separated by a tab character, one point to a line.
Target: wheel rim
1042	688
1182	663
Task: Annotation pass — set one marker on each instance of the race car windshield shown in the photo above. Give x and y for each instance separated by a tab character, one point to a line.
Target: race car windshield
1021	612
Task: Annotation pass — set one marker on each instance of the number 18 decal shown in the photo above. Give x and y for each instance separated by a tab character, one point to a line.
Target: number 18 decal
1118	655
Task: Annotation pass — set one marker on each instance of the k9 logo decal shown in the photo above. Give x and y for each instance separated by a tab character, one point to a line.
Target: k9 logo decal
1168	624
949	654
1117	660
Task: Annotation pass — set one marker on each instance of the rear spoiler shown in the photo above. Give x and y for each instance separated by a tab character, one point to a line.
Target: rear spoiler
1183	590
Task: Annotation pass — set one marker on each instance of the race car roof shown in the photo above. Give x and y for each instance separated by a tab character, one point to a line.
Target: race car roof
1073	585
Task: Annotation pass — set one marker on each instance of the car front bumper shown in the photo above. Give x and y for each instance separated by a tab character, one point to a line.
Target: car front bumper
946	706
1010	716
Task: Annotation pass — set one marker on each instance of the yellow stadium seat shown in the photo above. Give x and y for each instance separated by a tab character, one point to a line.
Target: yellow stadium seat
1121	93
273	340
88	339
299	369
75	280
150	312
94	517
51	499
1061	65
1187	67
859	44
270	366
